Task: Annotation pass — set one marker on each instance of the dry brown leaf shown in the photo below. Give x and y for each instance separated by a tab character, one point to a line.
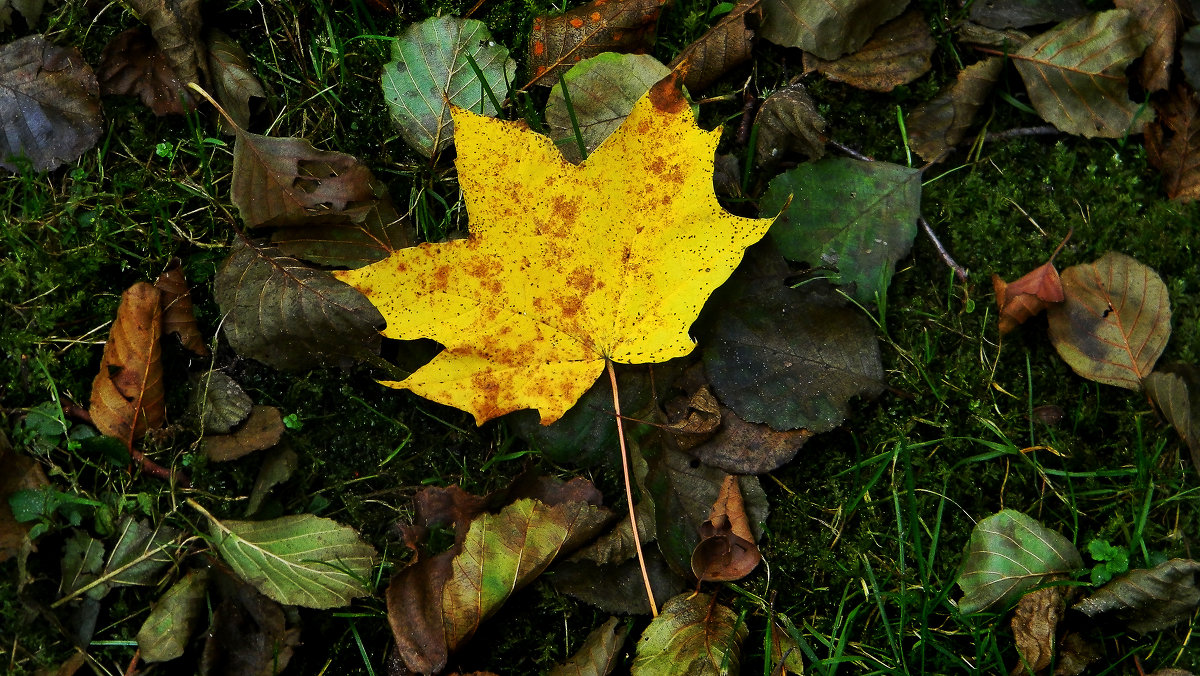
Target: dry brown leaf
938	125
261	430
1173	143
726	550
175	25
1075	654
1175	389
17	473
788	121
896	54
178	315
559	42
234	83
1030	294
1034	623
1161	20
693	419
127	393
133	65
722	47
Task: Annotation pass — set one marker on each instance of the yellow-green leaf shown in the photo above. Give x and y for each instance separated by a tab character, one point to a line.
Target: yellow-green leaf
692	635
566	265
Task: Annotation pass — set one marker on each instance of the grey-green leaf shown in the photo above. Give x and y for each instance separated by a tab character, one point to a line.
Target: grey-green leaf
603	90
140	553
693	635
1148	599
853	217
1008	554
219	402
300	560
826	28
165	633
429	71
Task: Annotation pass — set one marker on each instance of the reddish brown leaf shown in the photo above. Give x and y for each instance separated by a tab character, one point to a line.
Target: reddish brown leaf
17	473
1161	20
557	43
1030	294
727	550
1034	623
722	47
896	54
127	393
261	430
749	448
133	65
1173	143
175	25
178	316
940	124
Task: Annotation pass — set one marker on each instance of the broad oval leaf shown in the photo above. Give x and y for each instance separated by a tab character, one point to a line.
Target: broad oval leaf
290	316
1173	143
166	632
827	29
1008	554
603	90
1115	321
49	104
429	71
219	402
1148	599
127	393
854	217
1075	74
692	635
722	47
896	54
234	82
938	125
300	560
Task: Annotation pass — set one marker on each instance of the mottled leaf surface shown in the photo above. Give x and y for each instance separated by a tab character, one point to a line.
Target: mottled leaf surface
127	393
693	634
1161	21
788	121
429	72
1008	554
219	402
558	42
133	65
722	48
896	54
1114	322
1148	599
175	25
938	125
826	28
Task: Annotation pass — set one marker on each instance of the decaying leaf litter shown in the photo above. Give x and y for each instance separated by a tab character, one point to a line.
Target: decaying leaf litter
761	376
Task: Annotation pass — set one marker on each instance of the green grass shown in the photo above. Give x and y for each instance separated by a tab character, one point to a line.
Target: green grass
866	531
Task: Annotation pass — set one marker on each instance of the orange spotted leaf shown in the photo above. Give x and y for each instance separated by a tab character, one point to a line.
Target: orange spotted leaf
567	265
556	43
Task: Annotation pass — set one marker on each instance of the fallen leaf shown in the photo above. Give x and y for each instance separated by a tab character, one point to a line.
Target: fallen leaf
127	393
277	467
1033	624
726	550
1161	21
1148	599
261	430
1075	655
1114	322
178	315
233	80
30	10
1075	75
722	48
792	358
618	587
51	105
852	217
785	652
692	635
346	243
936	126
19	474
788	122
290	316
285	181
897	53
557	277
219	402
173	617
1175	390
1189	56
1008	40
693	418
1007	555
559	42
249	634
82	560
139	555
826	29
599	654
175	25
603	90
133	65
1022	13
300	560
744	447
1173	143
429	73
1029	295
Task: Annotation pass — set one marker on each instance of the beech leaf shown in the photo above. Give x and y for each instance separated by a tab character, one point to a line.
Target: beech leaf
1114	322
722	47
726	550
1075	74
599	654
853	217
50	104
1008	554
290	316
429	72
133	65
127	393
249	633
1175	390
567	266
1034	624
603	90
1173	143
175	25
1030	294
827	29
693	634
1161	21
219	402
896	54
558	42
1148	599
938	125
300	560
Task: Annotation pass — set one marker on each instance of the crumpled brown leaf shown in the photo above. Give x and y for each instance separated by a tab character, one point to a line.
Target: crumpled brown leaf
127	393
1175	389
175	25
896	54
788	121
1173	143
727	550
1029	295
133	65
233	80
1034	623
261	430
178	316
936	126
1148	599
250	635
559	42
722	47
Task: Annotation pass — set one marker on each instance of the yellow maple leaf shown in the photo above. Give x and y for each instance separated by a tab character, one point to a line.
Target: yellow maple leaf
565	264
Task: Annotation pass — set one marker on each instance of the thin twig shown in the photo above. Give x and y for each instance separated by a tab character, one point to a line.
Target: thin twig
959	271
850	151
1017	132
637	540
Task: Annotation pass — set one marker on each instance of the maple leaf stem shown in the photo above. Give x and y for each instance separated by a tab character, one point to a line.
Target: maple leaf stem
637	540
